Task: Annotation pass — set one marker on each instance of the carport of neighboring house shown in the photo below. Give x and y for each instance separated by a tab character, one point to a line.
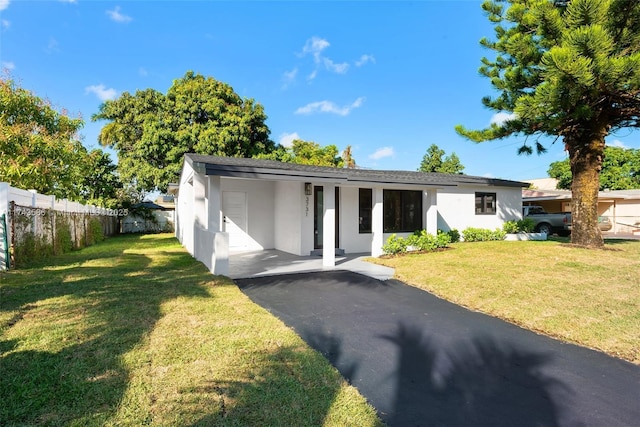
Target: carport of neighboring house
621	207
229	205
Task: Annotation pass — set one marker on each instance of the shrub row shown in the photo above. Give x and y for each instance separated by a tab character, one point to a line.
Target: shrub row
473	234
418	241
526	225
422	241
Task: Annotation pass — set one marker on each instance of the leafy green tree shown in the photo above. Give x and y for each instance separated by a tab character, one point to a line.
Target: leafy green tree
152	131
570	70
39	146
562	172
102	185
307	153
433	161
620	170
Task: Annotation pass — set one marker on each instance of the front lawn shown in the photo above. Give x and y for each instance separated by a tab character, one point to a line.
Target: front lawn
589	297
133	332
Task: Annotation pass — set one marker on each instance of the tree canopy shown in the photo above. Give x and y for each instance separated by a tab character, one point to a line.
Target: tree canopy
310	153
40	149
39	146
433	161
570	70
152	131
620	170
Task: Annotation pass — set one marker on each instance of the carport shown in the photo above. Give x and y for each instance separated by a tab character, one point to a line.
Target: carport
271	262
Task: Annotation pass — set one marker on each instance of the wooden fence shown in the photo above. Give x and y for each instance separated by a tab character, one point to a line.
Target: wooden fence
34	225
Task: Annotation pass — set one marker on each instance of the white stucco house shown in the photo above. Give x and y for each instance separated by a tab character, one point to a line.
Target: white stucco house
228	204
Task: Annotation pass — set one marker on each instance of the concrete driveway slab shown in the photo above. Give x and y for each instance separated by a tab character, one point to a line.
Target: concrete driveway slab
422	361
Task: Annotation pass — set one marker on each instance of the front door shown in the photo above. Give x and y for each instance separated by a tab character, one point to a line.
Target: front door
234	210
318	205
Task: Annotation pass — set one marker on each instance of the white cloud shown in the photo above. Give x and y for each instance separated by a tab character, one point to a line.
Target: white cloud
289	77
5	24
329	107
7	65
364	59
102	92
381	153
488	175
143	72
286	139
500	118
314	46
52	46
4	4
336	68
313	75
617	143
69	1
116	16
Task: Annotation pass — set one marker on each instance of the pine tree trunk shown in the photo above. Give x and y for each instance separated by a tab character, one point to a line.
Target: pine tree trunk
585	154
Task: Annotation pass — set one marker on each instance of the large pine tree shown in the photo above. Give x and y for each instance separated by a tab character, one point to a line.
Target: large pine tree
566	69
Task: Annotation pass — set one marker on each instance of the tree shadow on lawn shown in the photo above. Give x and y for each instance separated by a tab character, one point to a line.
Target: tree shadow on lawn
293	387
94	315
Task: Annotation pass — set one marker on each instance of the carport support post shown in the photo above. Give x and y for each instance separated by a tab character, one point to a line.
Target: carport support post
430	201
377	223
199	202
214	213
329	226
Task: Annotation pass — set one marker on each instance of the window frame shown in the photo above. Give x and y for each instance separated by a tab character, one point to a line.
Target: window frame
408	222
482	208
365	213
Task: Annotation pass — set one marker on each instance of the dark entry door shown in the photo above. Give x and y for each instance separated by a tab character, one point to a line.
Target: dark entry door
318	206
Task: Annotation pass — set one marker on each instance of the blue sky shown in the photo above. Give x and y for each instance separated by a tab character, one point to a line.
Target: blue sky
387	78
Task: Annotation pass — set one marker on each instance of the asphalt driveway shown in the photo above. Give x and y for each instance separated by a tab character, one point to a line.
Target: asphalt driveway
422	361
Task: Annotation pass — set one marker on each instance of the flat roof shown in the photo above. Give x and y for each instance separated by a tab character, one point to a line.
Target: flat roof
240	167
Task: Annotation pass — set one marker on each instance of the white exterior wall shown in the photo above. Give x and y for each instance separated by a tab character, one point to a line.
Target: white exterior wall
291	208
260	210
184	210
209	246
351	240
456	207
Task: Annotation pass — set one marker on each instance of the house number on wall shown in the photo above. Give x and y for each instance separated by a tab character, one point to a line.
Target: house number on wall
306	211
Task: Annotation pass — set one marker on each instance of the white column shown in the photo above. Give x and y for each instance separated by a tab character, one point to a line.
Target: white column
213	203
329	226
377	223
430	201
199	201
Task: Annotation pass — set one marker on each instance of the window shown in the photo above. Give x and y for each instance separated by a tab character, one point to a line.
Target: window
365	198
485	203
402	211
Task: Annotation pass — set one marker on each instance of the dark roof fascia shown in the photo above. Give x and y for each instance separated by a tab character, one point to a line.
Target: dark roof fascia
264	169
269	173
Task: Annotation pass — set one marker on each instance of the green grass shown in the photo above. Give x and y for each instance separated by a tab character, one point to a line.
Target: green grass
589	297
133	331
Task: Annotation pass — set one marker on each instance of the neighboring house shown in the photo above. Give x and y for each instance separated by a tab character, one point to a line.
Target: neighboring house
148	217
235	204
622	207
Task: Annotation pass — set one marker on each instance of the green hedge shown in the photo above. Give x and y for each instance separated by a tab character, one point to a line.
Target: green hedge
418	241
472	234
